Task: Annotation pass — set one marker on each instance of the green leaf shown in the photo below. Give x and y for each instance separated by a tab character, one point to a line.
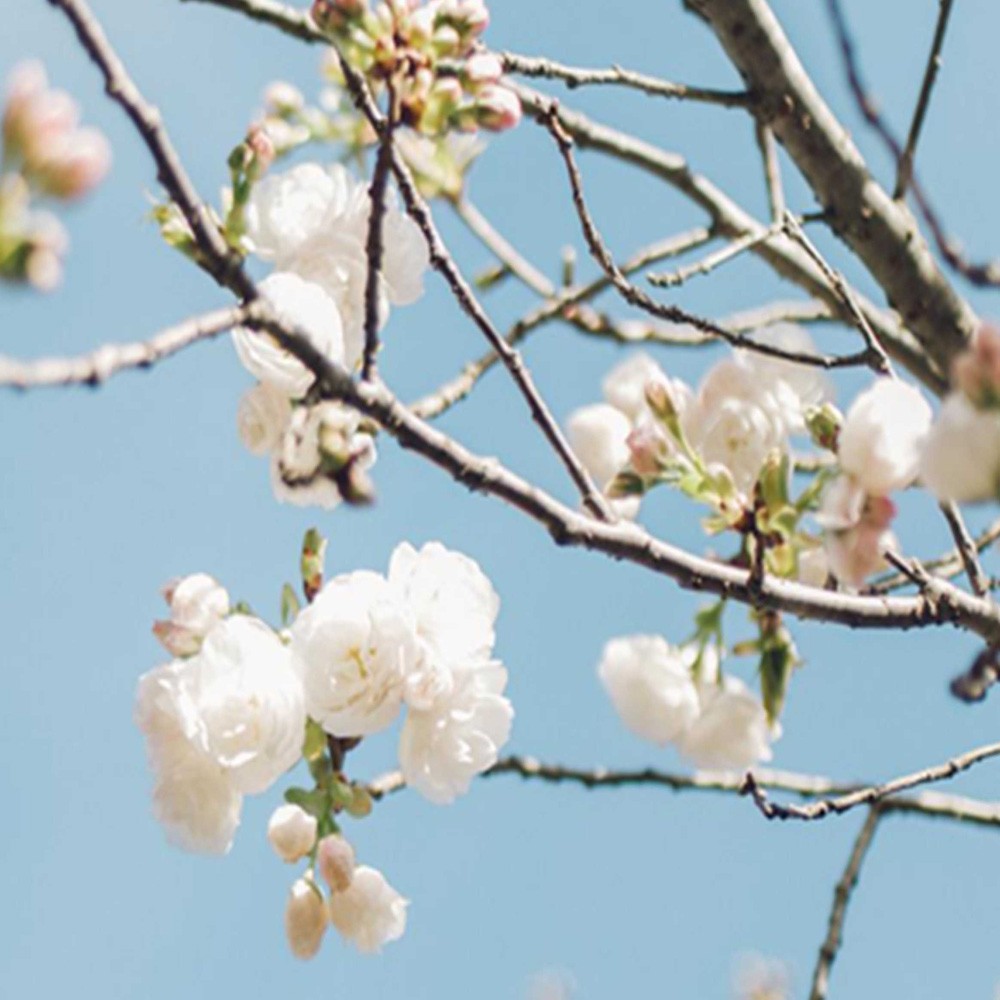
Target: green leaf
314	745
315	802
290	605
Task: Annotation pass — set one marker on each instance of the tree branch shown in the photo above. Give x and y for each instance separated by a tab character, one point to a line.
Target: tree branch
932	805
531	66
880	231
871	794
98	366
841	898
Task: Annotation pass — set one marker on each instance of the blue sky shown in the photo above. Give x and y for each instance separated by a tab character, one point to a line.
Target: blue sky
107	494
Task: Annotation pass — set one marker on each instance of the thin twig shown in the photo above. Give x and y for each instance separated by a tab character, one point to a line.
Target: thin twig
222	263
905	171
709	263
561	307
985	274
945	566
873	793
573	77
879	360
841	898
98	366
933	805
635	296
772	171
966	548
374	244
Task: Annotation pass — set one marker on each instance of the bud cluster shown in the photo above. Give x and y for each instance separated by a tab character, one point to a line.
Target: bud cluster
429	53
45	155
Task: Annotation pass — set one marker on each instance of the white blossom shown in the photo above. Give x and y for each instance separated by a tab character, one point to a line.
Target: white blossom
291	831
856	530
731	731
442	749
599	436
650	685
249	703
961	455
455	608
624	387
882	436
309	308
353	648
193	796
369	913
197	603
262	418
306	918
314	222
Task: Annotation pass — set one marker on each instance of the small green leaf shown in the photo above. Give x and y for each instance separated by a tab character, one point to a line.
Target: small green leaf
314	745
290	605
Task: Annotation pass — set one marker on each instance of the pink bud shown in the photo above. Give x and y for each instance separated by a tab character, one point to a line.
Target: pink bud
335	861
976	371
261	147
498	108
73	165
648	449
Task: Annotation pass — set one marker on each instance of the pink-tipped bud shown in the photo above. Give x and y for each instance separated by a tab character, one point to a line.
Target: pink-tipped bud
291	831
483	67
306	919
74	164
648	449
976	371
498	108
261	148
335	861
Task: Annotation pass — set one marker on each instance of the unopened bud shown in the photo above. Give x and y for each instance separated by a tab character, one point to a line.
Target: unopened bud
335	861
648	449
483	67
281	98
824	423
660	401
260	146
71	165
498	108
291	832
305	918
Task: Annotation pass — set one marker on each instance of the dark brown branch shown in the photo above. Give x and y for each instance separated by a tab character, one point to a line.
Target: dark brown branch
871	794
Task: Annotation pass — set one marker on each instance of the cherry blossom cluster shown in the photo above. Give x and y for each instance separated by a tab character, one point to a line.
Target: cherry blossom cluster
241	704
679	695
428	54
46	154
311	223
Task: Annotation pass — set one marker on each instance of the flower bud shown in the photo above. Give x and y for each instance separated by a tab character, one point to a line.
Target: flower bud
281	98
305	918
483	67
291	831
976	371
824	423
335	860
71	165
498	108
261	148
197	603
648	449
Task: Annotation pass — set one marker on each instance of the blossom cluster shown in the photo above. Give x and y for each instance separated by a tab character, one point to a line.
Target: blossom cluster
240	705
311	223
428	54
679	695
46	154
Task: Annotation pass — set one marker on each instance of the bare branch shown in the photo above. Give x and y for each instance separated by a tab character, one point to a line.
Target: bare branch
635	296
98	366
871	794
841	897
531	66
224	265
966	548
374	243
932	805
772	171
880	231
905	171
709	263
287	19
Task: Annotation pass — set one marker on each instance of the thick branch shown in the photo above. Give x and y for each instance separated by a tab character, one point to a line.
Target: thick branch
880	231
